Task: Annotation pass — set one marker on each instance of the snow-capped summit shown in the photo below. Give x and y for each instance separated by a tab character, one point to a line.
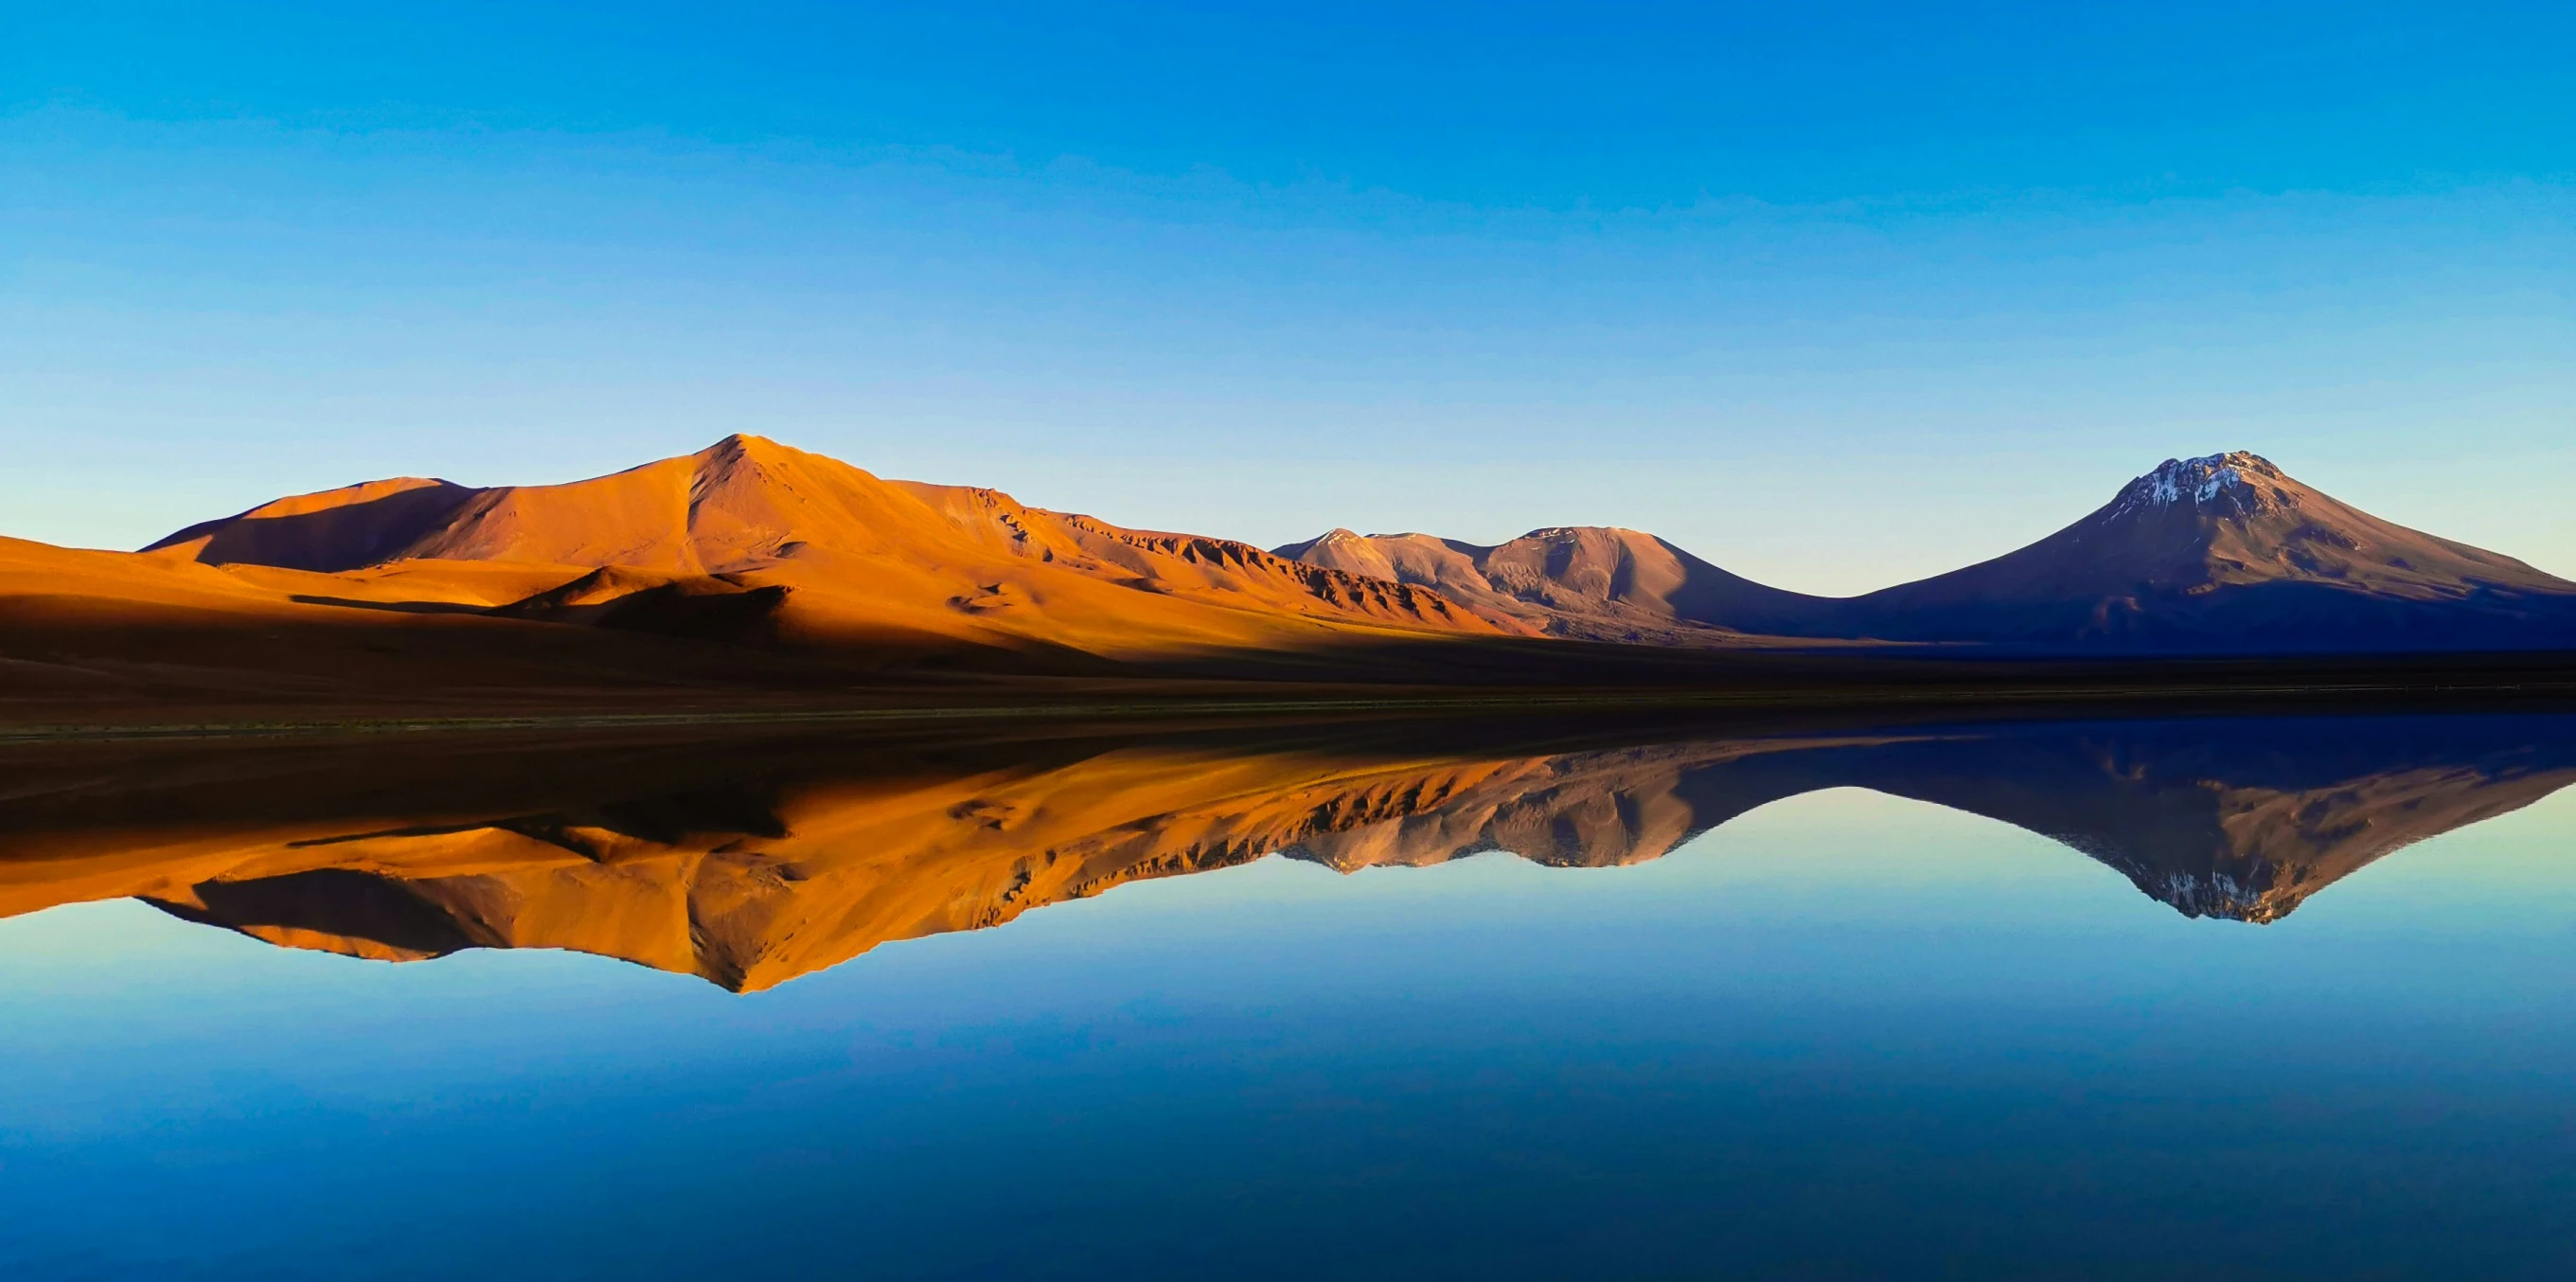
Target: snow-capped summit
2236	480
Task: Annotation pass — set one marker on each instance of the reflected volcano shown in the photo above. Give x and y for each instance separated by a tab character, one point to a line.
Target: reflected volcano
751	861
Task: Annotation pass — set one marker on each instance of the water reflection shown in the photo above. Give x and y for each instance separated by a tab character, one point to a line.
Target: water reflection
751	861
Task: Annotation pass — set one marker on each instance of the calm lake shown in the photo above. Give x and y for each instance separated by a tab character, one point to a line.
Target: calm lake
2208	997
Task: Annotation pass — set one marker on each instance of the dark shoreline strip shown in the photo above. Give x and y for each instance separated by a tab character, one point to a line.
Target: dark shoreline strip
2186	696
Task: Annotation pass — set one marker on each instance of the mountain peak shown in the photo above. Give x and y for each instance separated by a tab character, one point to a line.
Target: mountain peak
744	445
2229	484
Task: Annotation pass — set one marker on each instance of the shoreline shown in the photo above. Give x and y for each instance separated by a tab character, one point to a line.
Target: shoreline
2186	694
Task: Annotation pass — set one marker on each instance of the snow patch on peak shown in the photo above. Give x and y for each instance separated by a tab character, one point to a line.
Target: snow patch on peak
2199	481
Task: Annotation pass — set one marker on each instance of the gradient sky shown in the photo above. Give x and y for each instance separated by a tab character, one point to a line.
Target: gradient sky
1835	295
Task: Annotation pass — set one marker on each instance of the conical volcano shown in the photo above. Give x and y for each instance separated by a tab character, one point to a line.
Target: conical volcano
2227	552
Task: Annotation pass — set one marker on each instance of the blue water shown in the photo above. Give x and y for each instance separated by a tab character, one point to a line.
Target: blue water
1843	1036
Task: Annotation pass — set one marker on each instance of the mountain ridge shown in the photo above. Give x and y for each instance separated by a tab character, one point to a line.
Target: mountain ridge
852	558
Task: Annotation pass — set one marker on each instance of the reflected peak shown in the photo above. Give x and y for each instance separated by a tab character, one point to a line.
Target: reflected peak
752	863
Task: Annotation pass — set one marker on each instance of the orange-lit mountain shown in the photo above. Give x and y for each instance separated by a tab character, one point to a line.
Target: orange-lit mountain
803	548
2223	553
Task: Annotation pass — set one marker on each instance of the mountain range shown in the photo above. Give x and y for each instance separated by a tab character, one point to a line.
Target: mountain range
2218	553
753	565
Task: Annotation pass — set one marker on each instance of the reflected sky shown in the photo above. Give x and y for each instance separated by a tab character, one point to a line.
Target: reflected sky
1841	1034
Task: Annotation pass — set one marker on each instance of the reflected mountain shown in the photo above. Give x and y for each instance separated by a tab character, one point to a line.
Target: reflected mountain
749	862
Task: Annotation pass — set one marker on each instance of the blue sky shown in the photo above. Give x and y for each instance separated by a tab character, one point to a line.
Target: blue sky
1835	295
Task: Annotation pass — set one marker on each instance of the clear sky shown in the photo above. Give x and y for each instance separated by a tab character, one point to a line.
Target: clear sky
1835	295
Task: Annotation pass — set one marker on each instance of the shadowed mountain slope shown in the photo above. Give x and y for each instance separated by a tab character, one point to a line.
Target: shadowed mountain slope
344	529
83	632
756	863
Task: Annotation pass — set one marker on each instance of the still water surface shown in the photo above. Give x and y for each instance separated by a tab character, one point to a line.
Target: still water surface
2295	1003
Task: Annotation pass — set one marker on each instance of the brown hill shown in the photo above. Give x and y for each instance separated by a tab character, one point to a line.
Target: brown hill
1591	582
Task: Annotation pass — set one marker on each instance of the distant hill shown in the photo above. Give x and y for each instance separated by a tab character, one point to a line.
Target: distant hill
1594	582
